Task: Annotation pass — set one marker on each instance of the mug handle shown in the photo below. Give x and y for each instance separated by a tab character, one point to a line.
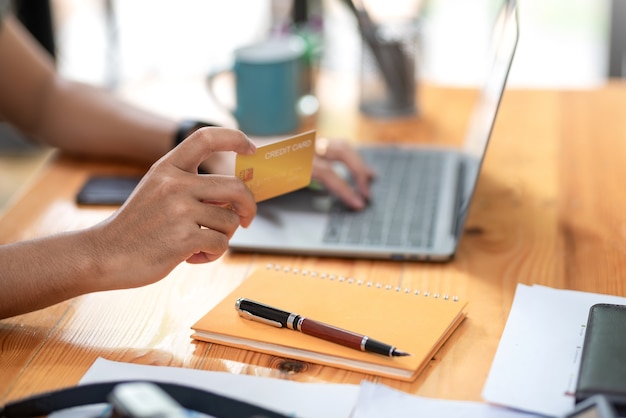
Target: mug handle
210	81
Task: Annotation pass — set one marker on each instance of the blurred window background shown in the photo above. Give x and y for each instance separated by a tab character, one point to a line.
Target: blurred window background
157	53
563	43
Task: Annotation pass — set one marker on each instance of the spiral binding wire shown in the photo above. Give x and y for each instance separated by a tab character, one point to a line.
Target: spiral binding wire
351	280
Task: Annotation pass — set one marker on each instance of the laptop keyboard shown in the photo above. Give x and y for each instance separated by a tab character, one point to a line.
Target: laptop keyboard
404	204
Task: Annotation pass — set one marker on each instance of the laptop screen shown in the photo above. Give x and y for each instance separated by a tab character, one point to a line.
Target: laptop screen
504	43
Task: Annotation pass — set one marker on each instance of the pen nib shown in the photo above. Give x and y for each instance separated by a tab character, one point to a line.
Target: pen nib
398	353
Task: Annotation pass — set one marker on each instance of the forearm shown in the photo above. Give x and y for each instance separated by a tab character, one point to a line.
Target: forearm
42	272
84	120
69	115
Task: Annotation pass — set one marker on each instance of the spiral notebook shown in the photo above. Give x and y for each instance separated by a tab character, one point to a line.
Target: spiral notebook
413	320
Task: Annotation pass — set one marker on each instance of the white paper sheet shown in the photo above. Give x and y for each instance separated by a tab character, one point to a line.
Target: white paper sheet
536	365
376	401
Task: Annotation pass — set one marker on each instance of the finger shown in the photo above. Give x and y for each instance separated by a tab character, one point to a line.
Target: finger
200	258
205	141
335	184
361	174
213	245
226	190
359	170
219	163
218	218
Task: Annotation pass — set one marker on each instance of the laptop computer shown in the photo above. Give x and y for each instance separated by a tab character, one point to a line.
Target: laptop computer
420	197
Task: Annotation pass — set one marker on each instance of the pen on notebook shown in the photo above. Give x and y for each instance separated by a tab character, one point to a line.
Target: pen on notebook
265	314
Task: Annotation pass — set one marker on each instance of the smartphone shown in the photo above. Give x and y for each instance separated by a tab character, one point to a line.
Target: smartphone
107	190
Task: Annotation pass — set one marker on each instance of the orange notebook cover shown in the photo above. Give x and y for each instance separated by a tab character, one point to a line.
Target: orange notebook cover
413	321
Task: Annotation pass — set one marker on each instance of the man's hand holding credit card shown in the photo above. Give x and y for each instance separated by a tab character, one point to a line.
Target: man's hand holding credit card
278	168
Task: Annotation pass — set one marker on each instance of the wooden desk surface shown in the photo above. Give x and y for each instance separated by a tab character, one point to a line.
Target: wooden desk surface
549	209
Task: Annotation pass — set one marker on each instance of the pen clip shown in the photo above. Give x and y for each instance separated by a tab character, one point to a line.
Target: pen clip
248	315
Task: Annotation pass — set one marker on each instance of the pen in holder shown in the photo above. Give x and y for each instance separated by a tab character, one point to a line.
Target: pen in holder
388	65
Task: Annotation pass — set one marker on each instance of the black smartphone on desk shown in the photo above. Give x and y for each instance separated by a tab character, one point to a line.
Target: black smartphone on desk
107	190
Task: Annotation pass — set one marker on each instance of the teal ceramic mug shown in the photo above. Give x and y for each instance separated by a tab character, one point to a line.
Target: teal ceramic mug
268	86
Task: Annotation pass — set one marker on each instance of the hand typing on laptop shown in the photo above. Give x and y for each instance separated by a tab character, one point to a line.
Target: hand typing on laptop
328	153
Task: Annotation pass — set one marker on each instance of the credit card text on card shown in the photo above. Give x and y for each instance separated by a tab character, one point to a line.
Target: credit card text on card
278	168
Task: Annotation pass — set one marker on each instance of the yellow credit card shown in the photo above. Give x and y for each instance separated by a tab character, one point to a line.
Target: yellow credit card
278	168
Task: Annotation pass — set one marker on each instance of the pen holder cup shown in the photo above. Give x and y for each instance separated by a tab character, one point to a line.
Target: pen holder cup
388	86
268	86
